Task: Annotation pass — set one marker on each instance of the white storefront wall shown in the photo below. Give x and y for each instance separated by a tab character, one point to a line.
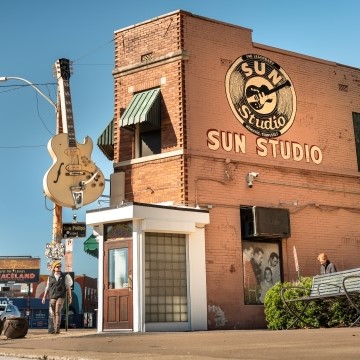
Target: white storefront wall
165	219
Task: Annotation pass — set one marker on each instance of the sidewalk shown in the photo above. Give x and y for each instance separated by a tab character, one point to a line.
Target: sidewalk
319	344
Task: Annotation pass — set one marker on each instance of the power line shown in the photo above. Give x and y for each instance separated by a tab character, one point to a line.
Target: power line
94	64
14	87
22	146
40	117
26	85
95	50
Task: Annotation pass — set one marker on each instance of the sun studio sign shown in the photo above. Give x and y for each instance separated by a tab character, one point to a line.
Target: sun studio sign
261	95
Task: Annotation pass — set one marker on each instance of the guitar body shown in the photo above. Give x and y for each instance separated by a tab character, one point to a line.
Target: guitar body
72	172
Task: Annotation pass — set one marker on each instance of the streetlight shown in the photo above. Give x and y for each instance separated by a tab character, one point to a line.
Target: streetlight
57	216
5	78
57	210
57	219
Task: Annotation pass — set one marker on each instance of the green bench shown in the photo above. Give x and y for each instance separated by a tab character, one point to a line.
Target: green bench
344	284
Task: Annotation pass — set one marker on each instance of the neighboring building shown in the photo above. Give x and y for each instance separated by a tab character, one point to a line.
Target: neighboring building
82	310
228	155
89	295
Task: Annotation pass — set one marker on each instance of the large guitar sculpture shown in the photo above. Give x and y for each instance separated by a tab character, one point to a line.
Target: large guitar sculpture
73	179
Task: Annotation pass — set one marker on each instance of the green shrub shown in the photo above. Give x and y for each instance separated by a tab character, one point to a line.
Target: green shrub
329	313
278	317
342	313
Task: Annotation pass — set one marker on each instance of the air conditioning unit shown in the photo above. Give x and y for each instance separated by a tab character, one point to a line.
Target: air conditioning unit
117	188
262	222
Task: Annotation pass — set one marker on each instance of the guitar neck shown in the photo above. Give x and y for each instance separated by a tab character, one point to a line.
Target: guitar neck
286	83
67	117
63	75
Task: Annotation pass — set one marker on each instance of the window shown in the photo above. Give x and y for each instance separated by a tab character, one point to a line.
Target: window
143	115
149	141
356	121
165	278
118	268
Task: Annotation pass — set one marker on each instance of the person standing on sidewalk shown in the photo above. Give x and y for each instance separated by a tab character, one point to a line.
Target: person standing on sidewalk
327	267
58	285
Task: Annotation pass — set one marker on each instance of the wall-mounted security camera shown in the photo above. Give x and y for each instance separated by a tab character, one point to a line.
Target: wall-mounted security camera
250	178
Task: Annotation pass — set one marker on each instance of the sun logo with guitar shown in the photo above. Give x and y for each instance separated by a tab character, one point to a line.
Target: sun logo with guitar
261	95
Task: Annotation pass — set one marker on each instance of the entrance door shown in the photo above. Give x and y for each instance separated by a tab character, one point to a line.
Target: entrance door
118	299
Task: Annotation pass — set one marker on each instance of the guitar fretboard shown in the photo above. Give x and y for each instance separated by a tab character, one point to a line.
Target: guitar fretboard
69	114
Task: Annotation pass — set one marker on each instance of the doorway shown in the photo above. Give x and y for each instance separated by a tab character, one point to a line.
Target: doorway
118	296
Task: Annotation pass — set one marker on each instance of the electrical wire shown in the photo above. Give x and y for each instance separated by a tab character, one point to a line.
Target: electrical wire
14	87
94	51
22	146
41	119
18	87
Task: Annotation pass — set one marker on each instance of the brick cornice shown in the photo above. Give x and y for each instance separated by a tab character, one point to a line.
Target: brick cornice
162	60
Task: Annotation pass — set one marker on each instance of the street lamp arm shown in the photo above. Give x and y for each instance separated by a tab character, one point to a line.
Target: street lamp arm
5	78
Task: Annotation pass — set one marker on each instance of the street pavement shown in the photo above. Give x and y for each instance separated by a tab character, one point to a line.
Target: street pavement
78	344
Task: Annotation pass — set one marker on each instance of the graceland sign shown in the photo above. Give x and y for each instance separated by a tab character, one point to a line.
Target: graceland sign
19	269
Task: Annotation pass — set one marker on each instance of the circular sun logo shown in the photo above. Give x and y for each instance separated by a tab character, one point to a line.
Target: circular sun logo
261	95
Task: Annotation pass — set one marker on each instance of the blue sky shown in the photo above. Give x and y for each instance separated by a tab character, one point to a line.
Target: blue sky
34	34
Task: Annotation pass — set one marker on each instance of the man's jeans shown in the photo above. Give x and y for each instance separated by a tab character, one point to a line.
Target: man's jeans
56	307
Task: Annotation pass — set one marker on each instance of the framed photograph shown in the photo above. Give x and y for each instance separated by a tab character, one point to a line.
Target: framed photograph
261	269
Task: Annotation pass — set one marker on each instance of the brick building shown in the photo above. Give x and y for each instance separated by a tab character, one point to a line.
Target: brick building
228	155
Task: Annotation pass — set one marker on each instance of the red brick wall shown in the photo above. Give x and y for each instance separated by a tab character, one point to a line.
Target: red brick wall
158	180
154	182
160	37
323	199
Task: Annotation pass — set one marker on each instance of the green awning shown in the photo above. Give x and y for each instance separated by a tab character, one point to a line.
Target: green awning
143	108
91	246
106	141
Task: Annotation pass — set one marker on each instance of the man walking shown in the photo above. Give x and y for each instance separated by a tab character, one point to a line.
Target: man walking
58	284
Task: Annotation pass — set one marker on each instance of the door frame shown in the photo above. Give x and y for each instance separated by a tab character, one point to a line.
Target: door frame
118	302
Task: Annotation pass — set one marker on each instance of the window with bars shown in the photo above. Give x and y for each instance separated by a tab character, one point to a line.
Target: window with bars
165	278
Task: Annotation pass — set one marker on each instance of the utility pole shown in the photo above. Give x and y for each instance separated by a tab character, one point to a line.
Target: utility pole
57	212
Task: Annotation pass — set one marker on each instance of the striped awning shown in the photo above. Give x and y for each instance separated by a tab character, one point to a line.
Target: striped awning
106	141
91	246
143	108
